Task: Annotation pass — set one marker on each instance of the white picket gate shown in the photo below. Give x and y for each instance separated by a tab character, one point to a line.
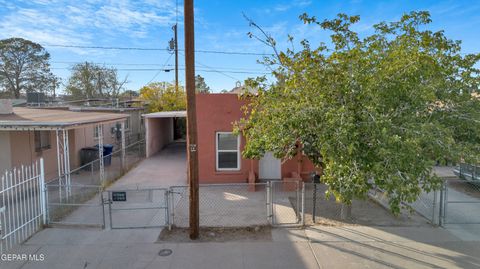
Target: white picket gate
22	204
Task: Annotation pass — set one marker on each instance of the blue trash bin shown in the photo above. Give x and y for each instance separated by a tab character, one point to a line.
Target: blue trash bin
107	154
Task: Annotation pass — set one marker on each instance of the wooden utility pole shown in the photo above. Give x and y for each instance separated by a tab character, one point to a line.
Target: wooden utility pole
191	118
176	56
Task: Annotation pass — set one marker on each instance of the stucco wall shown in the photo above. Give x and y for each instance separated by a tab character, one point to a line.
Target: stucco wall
159	132
217	113
5	158
22	146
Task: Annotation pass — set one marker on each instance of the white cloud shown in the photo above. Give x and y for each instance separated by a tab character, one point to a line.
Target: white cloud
85	22
292	4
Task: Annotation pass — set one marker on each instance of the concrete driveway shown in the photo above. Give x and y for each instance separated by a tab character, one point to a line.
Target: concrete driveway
166	168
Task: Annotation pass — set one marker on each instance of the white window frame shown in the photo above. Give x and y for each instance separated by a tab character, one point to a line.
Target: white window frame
218	151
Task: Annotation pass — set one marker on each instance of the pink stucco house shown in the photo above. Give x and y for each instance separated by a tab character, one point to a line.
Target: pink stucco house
219	150
220	159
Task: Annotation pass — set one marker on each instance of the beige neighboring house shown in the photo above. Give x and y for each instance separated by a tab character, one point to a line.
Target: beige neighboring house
134	126
27	134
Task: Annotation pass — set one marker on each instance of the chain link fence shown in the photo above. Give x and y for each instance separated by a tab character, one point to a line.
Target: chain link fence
89	174
77	205
222	205
460	202
284	203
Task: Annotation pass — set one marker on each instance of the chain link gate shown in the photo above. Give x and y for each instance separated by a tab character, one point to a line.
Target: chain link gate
138	208
285	202
460	202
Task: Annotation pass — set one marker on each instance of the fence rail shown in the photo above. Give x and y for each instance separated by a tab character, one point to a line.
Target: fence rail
22	210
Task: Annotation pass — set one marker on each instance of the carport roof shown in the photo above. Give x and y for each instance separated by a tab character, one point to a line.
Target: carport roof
54	119
167	114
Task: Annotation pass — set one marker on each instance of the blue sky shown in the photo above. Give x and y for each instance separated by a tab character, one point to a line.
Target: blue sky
220	26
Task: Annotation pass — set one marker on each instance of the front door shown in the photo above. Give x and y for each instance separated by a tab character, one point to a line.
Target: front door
270	167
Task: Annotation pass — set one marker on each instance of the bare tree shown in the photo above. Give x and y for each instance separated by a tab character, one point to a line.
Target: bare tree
25	67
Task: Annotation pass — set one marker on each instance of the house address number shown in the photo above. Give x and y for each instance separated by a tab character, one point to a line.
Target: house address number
119	196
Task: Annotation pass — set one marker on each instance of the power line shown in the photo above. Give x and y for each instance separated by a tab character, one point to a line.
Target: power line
156	74
155	49
159	70
153	64
216	71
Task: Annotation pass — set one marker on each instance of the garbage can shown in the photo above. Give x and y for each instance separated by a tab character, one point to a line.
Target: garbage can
88	155
107	152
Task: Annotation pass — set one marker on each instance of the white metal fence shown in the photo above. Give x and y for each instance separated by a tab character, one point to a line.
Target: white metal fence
22	209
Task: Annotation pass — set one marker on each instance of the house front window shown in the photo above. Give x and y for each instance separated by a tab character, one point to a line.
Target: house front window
227	151
42	140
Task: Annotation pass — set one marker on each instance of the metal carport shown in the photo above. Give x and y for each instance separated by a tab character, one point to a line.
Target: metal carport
159	129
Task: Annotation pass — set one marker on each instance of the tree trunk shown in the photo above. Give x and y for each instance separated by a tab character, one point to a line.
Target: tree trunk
346	212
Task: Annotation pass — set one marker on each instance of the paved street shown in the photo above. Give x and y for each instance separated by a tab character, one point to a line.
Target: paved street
315	247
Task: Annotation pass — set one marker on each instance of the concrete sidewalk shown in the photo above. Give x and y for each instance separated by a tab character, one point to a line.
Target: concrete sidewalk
314	247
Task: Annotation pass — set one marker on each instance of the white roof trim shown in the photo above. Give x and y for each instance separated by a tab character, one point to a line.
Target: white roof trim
166	114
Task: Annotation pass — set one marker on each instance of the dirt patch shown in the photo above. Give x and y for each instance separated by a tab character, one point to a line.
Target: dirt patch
240	234
364	212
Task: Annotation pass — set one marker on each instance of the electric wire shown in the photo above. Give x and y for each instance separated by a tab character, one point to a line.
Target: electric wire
159	71
156	49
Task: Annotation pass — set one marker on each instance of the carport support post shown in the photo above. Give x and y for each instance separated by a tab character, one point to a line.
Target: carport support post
59	163
100	153
191	118
66	164
124	168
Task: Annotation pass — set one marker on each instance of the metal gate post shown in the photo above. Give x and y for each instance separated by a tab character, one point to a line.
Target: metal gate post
441	205
445	202
47	212
303	204
110	208
102	203
297	212
434	207
167	221
269	202
272	203
172	209
314	213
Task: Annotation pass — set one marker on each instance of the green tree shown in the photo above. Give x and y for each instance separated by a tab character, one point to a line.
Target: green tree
25	67
162	96
374	111
89	80
129	94
200	85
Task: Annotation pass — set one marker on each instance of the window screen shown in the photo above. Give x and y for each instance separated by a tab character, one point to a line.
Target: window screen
228	151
